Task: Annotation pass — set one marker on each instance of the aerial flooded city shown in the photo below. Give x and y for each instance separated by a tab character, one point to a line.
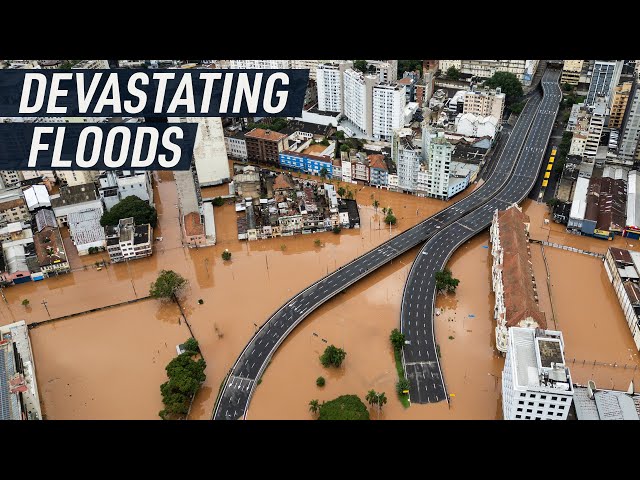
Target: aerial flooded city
423	240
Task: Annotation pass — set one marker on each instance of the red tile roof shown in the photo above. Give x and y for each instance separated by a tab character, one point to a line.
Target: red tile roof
193	224
377	161
262	134
517	274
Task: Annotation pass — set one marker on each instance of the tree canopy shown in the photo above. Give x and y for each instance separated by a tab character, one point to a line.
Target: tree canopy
277	124
332	356
445	281
360	65
345	407
185	376
409	66
453	73
397	339
130	206
167	285
508	83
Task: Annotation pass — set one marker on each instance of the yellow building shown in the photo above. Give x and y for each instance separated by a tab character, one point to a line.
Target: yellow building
619	104
571	72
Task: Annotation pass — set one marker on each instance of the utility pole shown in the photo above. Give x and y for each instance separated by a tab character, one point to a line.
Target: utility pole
44	302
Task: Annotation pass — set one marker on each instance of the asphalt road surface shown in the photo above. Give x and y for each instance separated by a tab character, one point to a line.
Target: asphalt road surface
525	155
241	380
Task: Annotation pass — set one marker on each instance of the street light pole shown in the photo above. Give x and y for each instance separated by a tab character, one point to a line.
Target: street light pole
44	302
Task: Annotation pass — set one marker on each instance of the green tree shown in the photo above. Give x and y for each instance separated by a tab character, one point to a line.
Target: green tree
445	281
314	406
384	210
345	407
332	356
324	172
25	302
372	397
508	83
376	204
360	65
218	202
453	73
349	194
397	339
341	191
226	255
185	377
340	135
409	66
517	107
317	242
167	285
390	219
344	148
320	381
191	345
567	87
402	385
130	206
552	202
336	230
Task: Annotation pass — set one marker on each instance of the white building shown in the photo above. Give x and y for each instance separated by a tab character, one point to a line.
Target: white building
630	128
85	230
597	122
209	152
36	197
329	84
389	102
116	185
128	241
92	64
536	384
523	69
472	125
578	203
345	166
484	103
77	177
260	64
407	158
392	181
79	198
311	65
19	398
357	99
605	77
10	177
236	145
437	153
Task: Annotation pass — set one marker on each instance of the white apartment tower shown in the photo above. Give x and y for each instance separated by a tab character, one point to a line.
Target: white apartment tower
484	103
357	99
388	110
407	158
536	384
630	127
386	70
329	84
437	153
597	122
605	77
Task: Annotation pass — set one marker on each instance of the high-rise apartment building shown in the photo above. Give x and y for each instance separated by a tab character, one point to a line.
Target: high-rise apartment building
437	153
596	126
630	127
329	78
389	101
619	104
571	72
604	78
484	103
386	70
407	158
358	99
536	384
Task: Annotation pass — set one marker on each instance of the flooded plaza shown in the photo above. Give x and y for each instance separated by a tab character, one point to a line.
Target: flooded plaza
110	364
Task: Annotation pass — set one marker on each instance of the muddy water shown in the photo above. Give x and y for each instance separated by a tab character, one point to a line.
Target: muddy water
107	365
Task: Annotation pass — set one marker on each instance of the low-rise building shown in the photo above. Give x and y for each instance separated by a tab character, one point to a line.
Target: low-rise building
597	404
116	185
265	145
378	171
128	241
13	209
623	270
37	196
85	230
19	398
308	163
516	297
52	257
77	198
484	103
536	383
236	144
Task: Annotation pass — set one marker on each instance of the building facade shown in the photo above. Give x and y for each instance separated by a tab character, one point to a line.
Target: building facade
358	99
265	145
378	171
630	128
619	104
597	123
329	84
437	153
407	158
604	78
388	106
312	164
571	72
236	145
484	103
128	241
523	69
536	384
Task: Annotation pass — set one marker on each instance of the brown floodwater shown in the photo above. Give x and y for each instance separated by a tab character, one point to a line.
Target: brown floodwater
79	361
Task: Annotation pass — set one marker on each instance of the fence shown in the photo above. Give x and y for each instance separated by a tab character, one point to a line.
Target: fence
568	249
594	363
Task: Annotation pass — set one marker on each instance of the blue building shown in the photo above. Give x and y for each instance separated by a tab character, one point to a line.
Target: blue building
378	172
312	164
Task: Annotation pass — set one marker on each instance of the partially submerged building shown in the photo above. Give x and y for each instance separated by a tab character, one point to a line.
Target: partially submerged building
128	241
623	270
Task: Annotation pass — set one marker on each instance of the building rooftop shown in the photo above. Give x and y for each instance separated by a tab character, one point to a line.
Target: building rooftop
193	224
72	195
519	294
606	202
37	196
377	161
49	246
9	204
262	134
141	234
283	182
593	404
85	226
319	158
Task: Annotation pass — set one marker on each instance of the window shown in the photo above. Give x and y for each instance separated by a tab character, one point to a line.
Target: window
529	410
530	403
554	398
558	414
539	412
527	417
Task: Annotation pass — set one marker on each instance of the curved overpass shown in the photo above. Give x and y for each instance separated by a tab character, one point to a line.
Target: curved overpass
418	300
241	381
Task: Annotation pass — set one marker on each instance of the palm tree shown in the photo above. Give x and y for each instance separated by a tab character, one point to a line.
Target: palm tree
382	400
376	204
384	210
314	406
372	397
